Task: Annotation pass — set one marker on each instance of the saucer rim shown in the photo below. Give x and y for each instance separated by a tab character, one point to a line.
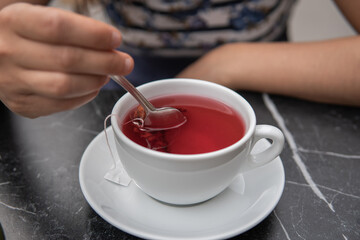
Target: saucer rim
144	234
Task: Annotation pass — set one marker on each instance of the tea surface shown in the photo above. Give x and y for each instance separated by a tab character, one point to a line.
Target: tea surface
211	125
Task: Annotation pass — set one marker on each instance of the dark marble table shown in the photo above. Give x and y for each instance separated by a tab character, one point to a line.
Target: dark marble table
40	195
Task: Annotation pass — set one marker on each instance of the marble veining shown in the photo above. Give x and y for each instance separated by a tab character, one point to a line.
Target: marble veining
16	208
341	155
291	141
282	226
327	188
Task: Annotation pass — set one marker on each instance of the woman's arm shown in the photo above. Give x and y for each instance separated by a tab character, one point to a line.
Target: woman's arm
350	9
4	3
327	71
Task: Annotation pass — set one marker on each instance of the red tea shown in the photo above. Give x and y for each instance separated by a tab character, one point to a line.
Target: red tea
211	125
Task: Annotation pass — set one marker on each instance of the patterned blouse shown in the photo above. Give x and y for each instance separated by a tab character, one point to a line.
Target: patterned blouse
192	27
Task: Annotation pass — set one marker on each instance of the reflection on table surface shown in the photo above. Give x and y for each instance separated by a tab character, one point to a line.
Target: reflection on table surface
40	195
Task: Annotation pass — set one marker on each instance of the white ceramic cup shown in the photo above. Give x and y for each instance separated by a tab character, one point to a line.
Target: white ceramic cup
192	178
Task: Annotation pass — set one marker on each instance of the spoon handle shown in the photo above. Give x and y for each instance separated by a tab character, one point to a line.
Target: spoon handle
123	82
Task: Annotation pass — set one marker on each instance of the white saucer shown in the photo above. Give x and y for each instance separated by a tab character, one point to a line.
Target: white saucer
232	212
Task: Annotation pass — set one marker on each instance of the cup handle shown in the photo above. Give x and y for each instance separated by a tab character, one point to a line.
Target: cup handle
270	153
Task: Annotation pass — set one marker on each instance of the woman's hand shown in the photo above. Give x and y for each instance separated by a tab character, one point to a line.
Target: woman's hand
53	60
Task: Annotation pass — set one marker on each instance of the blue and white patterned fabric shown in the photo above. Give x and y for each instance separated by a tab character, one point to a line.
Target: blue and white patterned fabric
165	36
192	27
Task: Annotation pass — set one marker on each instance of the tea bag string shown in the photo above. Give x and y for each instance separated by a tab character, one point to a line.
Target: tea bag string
107	137
137	121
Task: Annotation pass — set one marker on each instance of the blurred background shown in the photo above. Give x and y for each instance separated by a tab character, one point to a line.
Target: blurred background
317	20
310	20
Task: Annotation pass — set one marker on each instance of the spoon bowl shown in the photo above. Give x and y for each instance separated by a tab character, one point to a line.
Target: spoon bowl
156	119
163	119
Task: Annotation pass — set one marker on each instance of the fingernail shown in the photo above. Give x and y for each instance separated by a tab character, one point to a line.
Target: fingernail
128	65
116	39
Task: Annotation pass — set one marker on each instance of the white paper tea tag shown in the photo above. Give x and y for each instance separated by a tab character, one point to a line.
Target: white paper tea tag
118	175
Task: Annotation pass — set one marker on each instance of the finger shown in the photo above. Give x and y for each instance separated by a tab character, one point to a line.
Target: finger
60	85
35	55
56	26
33	106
